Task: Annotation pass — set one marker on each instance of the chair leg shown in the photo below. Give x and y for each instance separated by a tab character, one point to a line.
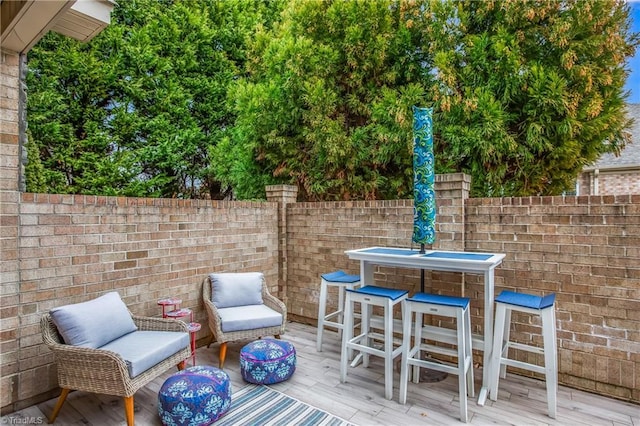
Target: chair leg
550	359
128	410
56	409
223	354
182	364
347	335
496	353
407	314
211	340
322	307
277	336
462	376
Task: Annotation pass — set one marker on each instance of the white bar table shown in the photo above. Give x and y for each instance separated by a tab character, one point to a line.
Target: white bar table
439	260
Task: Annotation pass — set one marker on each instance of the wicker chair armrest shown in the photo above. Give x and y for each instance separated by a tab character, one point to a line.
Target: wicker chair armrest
213	319
159	324
275	304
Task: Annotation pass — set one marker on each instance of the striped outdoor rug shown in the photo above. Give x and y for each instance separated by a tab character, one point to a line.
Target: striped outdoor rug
256	405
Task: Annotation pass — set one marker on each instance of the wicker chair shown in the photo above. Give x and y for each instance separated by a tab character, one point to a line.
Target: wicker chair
103	371
215	321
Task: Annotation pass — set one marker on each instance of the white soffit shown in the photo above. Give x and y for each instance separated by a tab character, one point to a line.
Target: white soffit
25	22
85	19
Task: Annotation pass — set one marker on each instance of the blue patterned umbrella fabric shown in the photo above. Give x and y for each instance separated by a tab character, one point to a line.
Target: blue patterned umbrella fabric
424	201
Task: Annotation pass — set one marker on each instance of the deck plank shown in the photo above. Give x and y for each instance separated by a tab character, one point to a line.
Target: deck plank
521	400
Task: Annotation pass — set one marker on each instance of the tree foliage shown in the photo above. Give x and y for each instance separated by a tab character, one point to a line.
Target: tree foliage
193	99
327	104
136	111
530	92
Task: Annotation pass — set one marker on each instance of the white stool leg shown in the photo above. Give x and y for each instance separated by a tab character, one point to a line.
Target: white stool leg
407	315
365	311
469	353
462	377
388	350
340	316
417	336
322	308
550	358
347	335
505	338
496	352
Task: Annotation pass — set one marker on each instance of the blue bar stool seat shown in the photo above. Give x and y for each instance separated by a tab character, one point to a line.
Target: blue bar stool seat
443	306
369	296
544	306
335	319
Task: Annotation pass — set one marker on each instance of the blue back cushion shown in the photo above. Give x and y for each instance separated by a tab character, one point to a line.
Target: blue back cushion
94	323
236	289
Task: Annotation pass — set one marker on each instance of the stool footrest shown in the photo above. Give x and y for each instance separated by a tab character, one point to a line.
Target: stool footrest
523	365
443	366
438	349
523	347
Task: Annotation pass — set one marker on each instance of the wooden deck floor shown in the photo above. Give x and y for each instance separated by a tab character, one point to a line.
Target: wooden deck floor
522	401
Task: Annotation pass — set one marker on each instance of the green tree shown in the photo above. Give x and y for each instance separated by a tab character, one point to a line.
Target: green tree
327	102
135	111
34	170
529	93
525	94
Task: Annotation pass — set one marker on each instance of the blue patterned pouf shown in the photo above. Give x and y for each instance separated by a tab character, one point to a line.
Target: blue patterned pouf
267	361
195	396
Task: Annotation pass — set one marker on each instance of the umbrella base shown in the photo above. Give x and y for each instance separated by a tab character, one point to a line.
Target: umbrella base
428	375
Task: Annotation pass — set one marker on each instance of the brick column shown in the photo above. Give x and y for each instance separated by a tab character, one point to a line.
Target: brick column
452	191
9	209
283	195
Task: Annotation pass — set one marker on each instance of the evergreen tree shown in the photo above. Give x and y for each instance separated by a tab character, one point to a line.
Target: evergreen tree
529	92
327	103
136	111
525	95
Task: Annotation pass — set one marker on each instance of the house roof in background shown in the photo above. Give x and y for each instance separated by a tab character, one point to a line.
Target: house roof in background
629	157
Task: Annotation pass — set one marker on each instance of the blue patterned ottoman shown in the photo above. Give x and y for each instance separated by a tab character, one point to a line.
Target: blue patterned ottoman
195	396
267	361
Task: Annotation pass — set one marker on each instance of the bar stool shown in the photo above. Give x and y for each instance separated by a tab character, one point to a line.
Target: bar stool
445	306
544	306
343	281
369	296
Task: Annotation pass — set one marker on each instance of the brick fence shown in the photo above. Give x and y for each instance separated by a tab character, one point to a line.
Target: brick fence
59	249
586	249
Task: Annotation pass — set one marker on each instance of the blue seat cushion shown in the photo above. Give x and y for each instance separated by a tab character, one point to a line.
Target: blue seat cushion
437	299
373	290
340	277
526	300
250	317
195	396
267	361
142	350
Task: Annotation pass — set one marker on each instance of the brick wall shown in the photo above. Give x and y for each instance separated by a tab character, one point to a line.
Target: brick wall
9	270
609	183
75	248
62	249
586	249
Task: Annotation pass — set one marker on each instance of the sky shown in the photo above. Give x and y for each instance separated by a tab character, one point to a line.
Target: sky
633	81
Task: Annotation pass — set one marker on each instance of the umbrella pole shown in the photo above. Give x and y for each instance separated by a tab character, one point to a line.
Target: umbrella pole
422	251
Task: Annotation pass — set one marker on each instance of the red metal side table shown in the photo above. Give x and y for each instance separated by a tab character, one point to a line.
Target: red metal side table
177	313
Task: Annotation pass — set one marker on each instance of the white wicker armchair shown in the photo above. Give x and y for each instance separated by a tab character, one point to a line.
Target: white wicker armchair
104	371
241	315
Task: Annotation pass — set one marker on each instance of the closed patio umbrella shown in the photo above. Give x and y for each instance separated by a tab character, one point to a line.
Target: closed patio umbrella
424	200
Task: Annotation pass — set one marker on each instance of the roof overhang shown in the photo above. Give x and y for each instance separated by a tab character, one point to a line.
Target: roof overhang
25	22
613	169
